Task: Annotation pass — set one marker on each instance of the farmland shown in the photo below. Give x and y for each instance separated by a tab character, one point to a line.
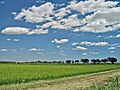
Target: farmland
21	73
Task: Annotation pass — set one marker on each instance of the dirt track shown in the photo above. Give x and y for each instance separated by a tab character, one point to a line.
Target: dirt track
77	82
68	83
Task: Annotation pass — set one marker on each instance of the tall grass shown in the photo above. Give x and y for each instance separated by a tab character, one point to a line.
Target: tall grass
112	84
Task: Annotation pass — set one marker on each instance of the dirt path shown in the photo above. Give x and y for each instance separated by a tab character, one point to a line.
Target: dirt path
69	83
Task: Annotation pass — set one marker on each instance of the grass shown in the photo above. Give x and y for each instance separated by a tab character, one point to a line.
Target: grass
20	73
112	84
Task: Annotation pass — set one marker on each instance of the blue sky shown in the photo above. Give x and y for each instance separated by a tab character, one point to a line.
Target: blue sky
59	29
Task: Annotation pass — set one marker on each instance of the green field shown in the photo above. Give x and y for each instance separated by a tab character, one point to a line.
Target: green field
18	73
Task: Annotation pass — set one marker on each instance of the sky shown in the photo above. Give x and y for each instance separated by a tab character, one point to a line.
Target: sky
59	29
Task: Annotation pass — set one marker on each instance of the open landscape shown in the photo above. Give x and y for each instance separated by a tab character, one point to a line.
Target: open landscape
59	44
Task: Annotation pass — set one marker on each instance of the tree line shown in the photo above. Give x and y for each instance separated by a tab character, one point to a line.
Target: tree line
111	60
94	61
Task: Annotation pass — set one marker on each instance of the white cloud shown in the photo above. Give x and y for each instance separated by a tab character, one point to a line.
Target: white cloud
14	13
94	43
62	54
8	39
91	53
38	31
91	5
2	2
58	46
87	43
15	30
75	43
79	48
60	13
118	36
84	54
62	41
94	53
99	36
35	49
41	53
67	23
21	30
3	50
13	50
111	48
16	40
36	14
109	37
40	1
112	51
99	21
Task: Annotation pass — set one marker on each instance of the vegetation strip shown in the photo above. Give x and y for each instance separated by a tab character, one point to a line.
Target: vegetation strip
69	83
22	73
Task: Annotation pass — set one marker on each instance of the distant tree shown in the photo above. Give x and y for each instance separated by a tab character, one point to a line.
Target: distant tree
98	61
112	60
45	62
85	60
73	61
59	61
76	61
38	62
104	60
68	61
94	61
54	61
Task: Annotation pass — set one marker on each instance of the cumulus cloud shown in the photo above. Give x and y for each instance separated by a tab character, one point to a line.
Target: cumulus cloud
65	23
101	21
79	48
38	31
36	14
96	16
60	13
35	50
62	41
15	30
87	43
22	30
91	5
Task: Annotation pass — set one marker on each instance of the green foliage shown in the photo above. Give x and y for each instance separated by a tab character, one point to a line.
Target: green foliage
18	73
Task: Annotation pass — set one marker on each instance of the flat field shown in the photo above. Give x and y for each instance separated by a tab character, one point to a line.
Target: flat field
20	73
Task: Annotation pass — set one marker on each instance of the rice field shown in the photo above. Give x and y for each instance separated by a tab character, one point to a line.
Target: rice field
21	73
